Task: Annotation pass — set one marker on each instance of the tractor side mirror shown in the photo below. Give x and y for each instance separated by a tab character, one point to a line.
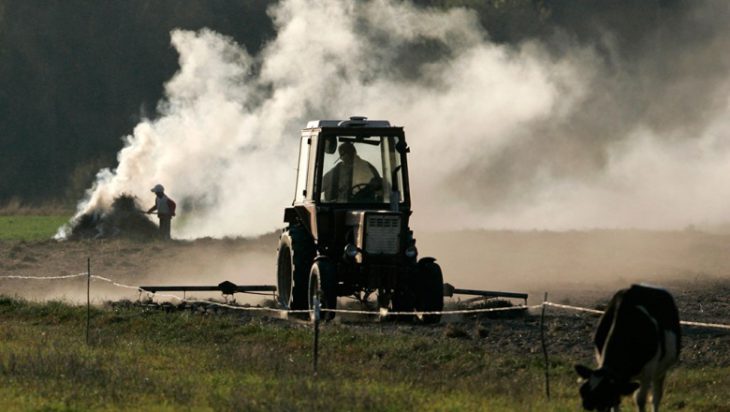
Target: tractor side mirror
330	144
402	147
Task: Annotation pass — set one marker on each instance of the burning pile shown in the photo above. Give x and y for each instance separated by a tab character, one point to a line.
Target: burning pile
125	218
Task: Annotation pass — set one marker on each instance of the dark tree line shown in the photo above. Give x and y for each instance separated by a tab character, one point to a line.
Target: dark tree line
76	75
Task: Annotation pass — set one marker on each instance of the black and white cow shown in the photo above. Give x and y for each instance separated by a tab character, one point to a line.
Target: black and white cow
637	341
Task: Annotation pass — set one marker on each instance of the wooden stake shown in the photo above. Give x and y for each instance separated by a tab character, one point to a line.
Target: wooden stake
315	318
544	348
88	298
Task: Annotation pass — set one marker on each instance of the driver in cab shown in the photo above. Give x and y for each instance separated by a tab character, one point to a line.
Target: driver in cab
352	179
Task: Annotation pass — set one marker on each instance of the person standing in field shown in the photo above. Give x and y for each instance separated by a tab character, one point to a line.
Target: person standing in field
165	208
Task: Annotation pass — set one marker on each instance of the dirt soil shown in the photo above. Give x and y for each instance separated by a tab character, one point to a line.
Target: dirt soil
577	268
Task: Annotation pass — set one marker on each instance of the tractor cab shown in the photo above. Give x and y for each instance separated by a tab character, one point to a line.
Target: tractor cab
356	162
348	228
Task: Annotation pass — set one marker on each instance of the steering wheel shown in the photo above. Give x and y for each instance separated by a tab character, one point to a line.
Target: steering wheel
360	191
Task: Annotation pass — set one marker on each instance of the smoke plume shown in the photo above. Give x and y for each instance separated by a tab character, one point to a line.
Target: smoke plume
552	133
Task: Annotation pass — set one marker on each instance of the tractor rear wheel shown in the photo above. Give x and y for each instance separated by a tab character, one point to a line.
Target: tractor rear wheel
296	253
323	287
429	289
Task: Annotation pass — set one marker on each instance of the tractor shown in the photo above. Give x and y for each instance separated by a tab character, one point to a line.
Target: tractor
348	232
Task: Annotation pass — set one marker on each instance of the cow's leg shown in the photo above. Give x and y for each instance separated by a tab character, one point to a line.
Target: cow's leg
640	395
657	390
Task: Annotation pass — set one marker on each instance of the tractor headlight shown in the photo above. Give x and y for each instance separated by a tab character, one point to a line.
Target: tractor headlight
411	252
351	251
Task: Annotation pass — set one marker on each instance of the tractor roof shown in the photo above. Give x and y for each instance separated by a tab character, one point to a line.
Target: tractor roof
354	121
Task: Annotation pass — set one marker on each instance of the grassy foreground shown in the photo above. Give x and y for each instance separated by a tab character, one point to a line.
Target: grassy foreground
151	360
30	227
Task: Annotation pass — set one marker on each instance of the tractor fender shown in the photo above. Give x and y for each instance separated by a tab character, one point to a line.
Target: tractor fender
321	257
426	260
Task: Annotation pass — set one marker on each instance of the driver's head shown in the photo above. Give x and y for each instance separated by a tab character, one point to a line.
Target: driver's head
347	152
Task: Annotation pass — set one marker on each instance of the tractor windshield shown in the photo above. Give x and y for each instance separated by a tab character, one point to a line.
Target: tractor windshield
362	170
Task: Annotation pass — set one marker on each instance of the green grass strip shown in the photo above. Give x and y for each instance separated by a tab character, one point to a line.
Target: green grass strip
29	228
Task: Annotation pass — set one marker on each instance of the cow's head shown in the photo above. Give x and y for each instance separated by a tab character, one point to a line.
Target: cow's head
601	391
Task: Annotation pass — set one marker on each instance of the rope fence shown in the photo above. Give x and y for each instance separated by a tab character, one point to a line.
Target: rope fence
575	308
600	312
78	275
381	312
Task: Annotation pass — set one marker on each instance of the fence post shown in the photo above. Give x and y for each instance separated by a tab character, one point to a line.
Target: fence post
88	297
544	347
315	320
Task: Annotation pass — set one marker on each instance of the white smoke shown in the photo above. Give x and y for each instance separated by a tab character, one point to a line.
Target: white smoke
225	142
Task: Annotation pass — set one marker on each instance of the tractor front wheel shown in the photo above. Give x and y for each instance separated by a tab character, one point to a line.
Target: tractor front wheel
296	252
323	287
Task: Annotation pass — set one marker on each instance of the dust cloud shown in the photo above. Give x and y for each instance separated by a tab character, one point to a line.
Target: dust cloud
567	264
550	133
591	260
